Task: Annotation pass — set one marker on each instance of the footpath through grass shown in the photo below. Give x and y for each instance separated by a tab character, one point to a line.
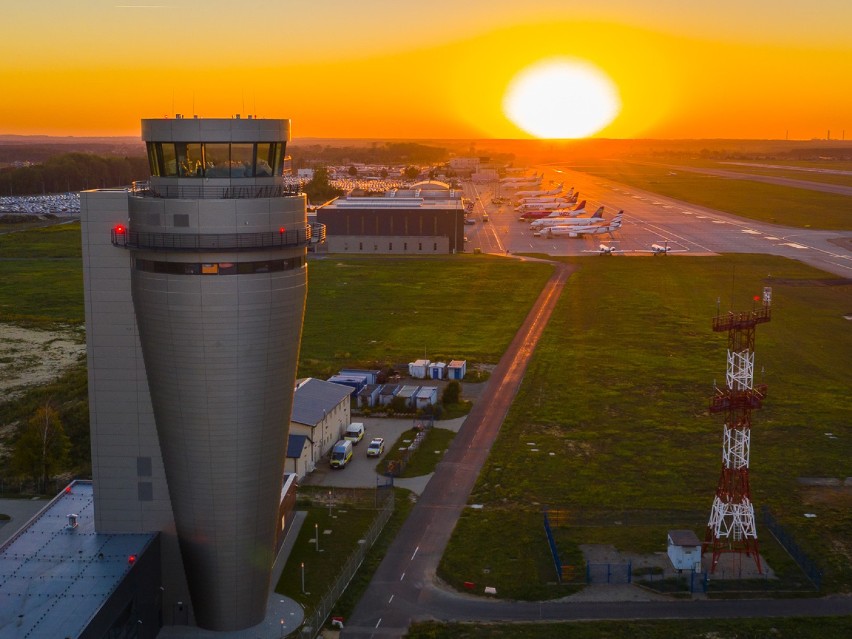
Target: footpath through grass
785	205
613	416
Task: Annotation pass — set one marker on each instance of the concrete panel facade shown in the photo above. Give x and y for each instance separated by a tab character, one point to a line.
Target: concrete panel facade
192	362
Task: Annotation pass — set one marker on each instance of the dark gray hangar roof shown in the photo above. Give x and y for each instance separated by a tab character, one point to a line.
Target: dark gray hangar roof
295	444
55	577
316	397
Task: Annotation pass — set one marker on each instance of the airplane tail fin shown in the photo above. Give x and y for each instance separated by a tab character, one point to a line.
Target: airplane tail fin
580	206
599	213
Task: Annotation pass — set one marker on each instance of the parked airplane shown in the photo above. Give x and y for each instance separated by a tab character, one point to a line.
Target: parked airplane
548	200
567	220
554	191
605	249
509	181
549	211
663	249
536	204
594	228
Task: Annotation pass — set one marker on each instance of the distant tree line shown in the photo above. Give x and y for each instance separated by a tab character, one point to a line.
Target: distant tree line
73	172
387	153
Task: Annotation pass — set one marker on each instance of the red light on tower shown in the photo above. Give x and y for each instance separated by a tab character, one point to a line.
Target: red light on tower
68	489
119	229
281	230
131	559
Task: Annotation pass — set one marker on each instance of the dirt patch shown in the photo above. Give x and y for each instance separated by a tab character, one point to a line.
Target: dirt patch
30	357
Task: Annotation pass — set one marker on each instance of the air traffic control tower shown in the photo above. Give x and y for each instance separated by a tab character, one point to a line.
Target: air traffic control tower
195	288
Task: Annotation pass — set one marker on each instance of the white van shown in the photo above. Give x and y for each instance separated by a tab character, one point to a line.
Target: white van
354	432
341	453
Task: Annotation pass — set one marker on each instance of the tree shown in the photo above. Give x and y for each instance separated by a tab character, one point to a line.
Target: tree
451	393
383	174
353	171
411	172
42	447
399	405
318	189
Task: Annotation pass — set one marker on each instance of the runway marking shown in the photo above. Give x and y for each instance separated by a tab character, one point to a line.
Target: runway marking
701	217
391	599
378	622
687	212
719	222
770	237
794	245
402	576
667	206
751	231
414	553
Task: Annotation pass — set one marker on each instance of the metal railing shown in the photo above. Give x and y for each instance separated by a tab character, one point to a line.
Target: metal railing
208	192
287	239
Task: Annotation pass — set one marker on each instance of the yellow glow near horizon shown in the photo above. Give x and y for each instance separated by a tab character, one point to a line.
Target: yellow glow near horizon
99	70
561	98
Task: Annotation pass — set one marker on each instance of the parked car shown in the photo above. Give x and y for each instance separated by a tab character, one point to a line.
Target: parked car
469	220
341	453
354	432
376	447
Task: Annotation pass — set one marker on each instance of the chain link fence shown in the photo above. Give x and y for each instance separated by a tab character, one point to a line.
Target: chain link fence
314	621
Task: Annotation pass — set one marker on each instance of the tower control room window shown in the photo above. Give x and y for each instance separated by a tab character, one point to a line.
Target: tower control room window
169	160
242	160
188	155
217	160
153	162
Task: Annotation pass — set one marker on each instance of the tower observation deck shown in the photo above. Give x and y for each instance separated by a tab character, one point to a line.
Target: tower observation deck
217	244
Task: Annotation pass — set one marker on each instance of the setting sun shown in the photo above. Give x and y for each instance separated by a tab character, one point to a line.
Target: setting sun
561	98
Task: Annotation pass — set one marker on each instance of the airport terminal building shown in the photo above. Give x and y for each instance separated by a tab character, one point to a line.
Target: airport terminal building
426	219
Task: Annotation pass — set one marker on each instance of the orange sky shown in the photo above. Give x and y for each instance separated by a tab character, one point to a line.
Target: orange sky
387	69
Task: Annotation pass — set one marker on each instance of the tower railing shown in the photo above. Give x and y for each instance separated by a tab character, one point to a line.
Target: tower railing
285	239
210	192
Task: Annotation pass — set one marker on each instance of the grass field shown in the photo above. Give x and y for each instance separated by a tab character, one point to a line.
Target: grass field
613	413
800	208
347	525
758	168
396	310
41	280
424	459
797	628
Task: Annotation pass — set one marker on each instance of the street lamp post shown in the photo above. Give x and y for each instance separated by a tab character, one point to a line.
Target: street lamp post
316	535
303	578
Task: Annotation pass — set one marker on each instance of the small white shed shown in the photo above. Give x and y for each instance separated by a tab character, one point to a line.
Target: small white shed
419	369
426	396
457	369
437	370
684	550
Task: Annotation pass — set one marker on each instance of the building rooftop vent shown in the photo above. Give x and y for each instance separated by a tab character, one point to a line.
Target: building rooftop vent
72	521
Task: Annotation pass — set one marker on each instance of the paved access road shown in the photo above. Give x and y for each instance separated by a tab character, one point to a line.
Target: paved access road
402	588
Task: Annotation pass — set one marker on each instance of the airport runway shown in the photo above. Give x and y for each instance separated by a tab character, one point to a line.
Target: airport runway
648	219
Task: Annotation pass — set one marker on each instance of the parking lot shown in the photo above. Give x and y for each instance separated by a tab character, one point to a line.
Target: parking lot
361	471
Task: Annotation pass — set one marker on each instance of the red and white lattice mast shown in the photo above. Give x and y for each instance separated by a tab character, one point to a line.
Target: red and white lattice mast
731	527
